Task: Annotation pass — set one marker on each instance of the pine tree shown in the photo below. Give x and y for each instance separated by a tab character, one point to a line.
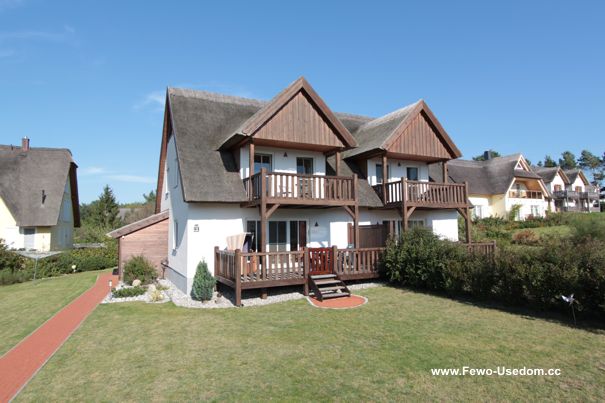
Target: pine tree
203	283
568	160
549	162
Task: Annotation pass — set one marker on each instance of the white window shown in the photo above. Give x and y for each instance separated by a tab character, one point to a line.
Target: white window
175	174
535	211
478	212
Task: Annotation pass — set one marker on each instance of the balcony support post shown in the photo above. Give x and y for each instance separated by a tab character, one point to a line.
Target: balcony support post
384	178
445	174
356	212
263	219
404	203
337	163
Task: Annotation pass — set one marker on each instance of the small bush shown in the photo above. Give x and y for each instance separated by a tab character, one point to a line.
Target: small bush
138	267
128	292
526	237
156	295
203	283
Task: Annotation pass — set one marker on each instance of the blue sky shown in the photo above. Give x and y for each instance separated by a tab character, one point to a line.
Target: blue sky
525	76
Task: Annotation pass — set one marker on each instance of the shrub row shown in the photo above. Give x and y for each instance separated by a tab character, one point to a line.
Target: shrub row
16	269
535	276
128	292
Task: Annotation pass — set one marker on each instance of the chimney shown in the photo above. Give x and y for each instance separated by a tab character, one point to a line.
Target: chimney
24	144
487	155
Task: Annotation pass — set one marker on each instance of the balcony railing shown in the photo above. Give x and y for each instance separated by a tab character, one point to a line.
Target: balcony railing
280	187
565	194
590	194
423	194
525	194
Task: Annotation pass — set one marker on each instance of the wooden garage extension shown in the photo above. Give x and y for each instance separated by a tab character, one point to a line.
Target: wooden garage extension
147	237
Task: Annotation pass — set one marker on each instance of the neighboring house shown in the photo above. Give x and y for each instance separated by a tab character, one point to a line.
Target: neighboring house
39	205
556	182
579	194
281	176
498	184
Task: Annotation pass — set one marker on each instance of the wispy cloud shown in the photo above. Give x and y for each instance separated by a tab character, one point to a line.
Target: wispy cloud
132	178
68	34
93	170
6	4
153	100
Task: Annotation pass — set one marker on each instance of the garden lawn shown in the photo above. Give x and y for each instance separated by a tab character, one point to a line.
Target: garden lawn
26	306
291	351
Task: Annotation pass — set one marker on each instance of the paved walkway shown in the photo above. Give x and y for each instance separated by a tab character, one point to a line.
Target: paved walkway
21	363
339	303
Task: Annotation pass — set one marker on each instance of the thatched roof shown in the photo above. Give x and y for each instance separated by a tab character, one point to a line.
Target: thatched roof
32	184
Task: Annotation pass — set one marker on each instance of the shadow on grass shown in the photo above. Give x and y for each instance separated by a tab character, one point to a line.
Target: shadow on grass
589	323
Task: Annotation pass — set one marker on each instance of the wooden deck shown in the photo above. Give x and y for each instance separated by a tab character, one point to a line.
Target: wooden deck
255	270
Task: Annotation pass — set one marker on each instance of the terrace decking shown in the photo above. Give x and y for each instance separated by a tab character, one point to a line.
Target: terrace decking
261	270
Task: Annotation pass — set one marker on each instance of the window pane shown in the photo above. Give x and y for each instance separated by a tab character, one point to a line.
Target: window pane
304	166
293	235
378	173
412	174
262	161
273	232
281	232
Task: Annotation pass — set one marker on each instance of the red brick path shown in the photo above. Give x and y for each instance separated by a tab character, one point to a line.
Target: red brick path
21	363
339	303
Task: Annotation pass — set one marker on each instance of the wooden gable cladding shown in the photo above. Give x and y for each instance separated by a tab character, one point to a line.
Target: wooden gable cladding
420	136
420	139
299	122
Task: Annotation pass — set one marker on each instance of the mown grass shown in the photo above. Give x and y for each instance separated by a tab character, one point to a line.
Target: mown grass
26	306
291	351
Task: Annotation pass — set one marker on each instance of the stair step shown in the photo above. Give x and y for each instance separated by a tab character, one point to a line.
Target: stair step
327	282
337	295
322	276
336	288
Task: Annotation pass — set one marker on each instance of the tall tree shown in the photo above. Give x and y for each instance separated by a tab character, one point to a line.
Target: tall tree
568	160
481	157
102	212
549	162
141	210
590	162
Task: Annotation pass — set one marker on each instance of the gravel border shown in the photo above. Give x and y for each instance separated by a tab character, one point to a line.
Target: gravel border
226	298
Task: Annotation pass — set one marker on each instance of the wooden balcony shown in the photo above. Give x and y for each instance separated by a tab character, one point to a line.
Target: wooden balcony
525	194
422	194
565	194
590	194
287	188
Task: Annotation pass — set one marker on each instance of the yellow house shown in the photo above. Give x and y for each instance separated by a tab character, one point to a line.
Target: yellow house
500	185
38	197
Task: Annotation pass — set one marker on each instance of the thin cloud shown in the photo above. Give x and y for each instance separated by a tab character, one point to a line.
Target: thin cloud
6	4
132	178
66	35
154	100
94	170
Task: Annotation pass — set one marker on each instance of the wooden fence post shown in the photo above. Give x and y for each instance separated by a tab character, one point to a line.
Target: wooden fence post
334	259
306	270
238	277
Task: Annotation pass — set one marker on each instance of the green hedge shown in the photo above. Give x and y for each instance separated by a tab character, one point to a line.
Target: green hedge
16	269
535	276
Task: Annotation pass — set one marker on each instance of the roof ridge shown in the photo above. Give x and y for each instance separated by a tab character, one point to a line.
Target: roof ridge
389	116
215	96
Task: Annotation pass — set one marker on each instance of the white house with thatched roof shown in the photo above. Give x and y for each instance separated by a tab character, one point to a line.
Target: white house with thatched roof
282	181
39	205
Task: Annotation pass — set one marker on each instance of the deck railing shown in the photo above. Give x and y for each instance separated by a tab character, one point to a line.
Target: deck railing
423	194
356	263
565	194
288	187
483	248
525	194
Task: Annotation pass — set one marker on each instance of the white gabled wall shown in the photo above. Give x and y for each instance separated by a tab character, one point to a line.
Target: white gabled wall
178	218
62	233
397	169
281	163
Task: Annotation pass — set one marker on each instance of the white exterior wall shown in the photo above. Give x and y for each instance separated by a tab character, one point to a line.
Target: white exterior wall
178	219
395	171
9	231
280	163
215	222
483	202
62	233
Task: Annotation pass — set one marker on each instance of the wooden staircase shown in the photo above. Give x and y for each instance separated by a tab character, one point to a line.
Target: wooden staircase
328	286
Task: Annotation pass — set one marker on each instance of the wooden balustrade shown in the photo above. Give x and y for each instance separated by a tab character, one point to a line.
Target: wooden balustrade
272	266
358	263
525	194
298	188
423	194
483	248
